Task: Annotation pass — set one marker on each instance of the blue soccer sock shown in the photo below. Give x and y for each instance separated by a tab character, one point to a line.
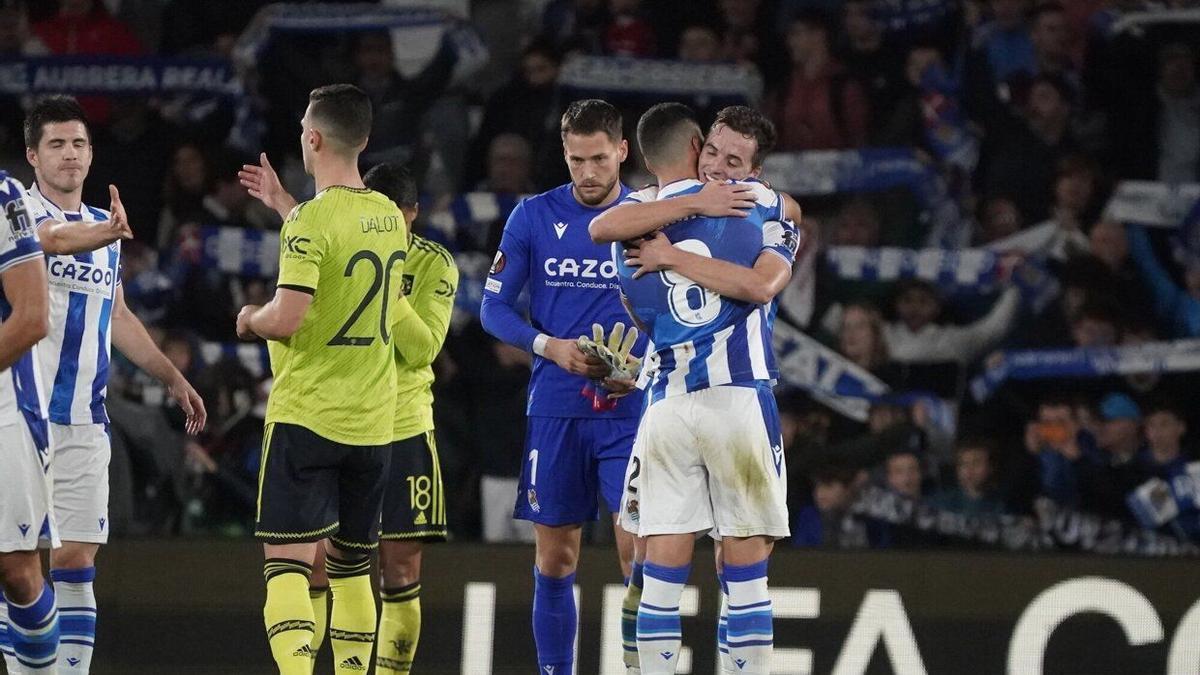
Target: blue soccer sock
629	612
659	634
554	623
33	629
76	616
751	634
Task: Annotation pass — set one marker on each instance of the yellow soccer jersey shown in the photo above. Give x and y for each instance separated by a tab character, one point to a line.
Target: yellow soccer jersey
430	280
336	376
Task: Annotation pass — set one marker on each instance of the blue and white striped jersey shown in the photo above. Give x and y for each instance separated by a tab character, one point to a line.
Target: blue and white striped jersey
702	339
75	355
22	397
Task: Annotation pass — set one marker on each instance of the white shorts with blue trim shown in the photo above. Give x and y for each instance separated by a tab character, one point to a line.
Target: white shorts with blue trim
26	495
708	461
82	453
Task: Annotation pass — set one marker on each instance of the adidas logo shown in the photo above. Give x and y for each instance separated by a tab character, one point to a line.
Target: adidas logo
352	663
741	663
666	655
304	650
72	661
24	528
420	519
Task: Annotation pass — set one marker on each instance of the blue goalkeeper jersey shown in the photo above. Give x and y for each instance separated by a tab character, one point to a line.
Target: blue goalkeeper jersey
572	284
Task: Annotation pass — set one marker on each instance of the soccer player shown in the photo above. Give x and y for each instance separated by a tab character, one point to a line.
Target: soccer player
30	640
738	141
577	450
329	332
88	316
414	509
712	423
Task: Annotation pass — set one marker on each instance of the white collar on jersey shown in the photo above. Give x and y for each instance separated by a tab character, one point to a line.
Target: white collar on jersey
55	210
675	187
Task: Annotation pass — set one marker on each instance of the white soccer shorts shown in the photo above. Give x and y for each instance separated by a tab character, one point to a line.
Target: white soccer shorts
81	456
26	497
708	460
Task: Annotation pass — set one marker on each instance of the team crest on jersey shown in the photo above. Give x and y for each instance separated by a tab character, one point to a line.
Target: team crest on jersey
406	287
531	497
631	509
498	263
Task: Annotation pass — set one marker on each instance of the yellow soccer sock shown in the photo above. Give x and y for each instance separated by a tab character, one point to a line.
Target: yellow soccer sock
352	621
399	629
288	615
319	596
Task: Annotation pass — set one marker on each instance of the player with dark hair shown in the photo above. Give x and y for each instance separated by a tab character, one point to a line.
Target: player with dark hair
88	317
578	446
329	330
414	509
30	639
737	143
711	374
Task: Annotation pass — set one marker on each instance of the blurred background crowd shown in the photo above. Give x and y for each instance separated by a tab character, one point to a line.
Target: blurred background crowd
1018	119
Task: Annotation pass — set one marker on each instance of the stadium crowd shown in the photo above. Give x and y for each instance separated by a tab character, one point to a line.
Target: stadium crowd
1029	113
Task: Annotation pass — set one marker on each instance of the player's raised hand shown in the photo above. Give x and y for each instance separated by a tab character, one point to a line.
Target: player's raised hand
569	357
654	254
190	402
718	199
262	182
118	221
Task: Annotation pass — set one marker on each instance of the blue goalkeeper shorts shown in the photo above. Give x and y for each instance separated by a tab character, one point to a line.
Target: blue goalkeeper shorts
569	463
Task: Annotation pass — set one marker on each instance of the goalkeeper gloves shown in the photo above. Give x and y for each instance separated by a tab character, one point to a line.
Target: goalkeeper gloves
615	351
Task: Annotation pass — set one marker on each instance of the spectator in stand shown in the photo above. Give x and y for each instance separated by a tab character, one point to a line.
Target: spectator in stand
1079	471
628	33
861	339
1021	154
188	181
999	219
1165	459
1097	324
1107	243
576	24
1178	307
132	152
869	58
528	106
826	522
1051	37
699	43
917	338
208	298
1061	236
820	107
974	494
509	166
86	27
749	35
1160	131
1178	120
1002	47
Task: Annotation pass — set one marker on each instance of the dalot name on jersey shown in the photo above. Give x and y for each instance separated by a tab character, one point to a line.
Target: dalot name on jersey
71	274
